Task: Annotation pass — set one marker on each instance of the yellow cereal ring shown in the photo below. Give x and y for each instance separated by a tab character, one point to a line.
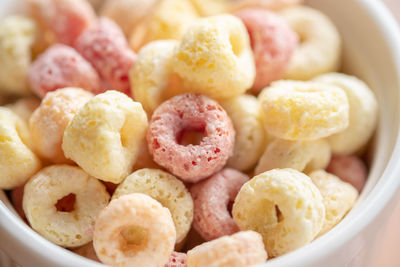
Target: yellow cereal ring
215	57
104	136
24	107
338	197
68	227
303	156
295	110
274	5
284	206
17	162
245	113
211	7
363	113
166	189
47	124
320	48
239	250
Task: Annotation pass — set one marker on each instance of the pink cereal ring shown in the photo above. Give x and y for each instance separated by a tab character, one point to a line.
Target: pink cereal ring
211	198
177	259
61	66
105	47
350	169
190	112
272	42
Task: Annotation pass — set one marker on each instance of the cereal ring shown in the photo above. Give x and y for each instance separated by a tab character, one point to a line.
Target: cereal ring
68	227
143	234
184	113
350	169
17	162
210	7
363	113
295	110
167	190
272	42
215	57
104	136
320	48
61	66
105	47
240	250
177	259
24	107
303	156
274	5
48	122
250	139
87	251
211	198
284	206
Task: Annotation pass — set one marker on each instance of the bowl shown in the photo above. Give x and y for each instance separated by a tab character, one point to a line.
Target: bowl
371	45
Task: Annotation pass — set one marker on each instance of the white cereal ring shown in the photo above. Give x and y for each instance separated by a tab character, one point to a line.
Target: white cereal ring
68	224
47	124
17	161
295	110
284	206
303	156
338	196
363	113
250	138
320	48
104	136
134	230
239	250
24	107
166	189
215	57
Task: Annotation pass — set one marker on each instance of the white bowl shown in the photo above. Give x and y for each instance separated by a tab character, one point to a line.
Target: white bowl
372	52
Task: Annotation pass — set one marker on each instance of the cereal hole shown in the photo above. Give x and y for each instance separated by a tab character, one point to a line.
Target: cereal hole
134	238
66	203
190	137
279	214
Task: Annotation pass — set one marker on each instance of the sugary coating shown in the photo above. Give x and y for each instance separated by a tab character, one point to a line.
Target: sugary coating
17	36
24	107
190	112
166	189
48	123
169	19
17	161
17	195
177	259
363	113
320	48
295	110
104	136
215	58
87	251
211	7
284	206
134	230
338	196
106	48
350	169
64	226
272	42
61	66
250	139
238	250
274	5
211	198
303	156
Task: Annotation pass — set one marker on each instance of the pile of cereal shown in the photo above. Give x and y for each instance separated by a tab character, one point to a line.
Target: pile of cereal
179	132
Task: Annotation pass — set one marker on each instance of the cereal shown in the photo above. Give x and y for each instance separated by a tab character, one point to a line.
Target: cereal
24	107
238	250
87	251
104	136
134	230
320	47
284	206
295	110
215	57
211	7
145	160
250	139
48	122
211	199
167	190
176	259
68	227
61	66
17	161
303	156
363	113
274	5
190	112
272	42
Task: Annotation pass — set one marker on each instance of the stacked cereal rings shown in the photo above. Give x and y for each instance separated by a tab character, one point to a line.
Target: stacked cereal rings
180	132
